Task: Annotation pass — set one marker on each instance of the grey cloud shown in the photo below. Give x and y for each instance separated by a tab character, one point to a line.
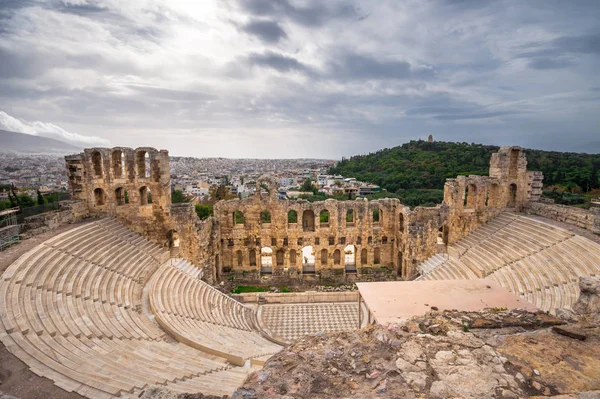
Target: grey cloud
584	44
549	63
279	62
559	52
314	14
268	31
356	66
162	94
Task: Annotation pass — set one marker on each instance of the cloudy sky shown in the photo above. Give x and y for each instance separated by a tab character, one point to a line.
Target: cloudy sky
301	78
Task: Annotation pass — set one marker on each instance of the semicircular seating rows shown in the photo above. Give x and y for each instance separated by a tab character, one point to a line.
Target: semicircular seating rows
71	309
202	317
537	261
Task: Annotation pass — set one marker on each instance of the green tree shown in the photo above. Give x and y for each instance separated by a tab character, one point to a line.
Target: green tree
177	197
308	186
25	201
5	204
265	217
40	198
204	211
292	216
239	217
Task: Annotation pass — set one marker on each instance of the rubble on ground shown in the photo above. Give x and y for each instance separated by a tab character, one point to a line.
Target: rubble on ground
495	353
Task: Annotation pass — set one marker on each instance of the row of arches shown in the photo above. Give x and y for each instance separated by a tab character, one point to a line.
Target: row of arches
309	219
493	196
307	257
118	164
122	196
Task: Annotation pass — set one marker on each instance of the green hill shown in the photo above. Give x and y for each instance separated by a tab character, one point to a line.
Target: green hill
424	165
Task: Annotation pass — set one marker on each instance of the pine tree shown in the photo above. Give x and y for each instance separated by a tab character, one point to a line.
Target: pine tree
40	198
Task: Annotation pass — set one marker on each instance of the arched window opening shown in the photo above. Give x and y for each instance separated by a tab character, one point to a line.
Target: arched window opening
265	217
266	260
120	196
308	220
145	196
350	259
239	257
238	217
252	257
292	257
350	217
99	197
324	218
146	165
292	216
376	215
279	257
173	238
337	257
117	164
364	257
401	223
324	256
308	260
377	256
97	163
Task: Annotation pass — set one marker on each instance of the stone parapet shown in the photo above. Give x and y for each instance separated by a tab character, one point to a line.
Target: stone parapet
583	218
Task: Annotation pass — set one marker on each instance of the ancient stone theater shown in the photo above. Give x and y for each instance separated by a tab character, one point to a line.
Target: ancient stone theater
132	295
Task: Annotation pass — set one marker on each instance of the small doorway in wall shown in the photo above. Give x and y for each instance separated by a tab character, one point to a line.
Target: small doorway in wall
266	260
308	260
350	259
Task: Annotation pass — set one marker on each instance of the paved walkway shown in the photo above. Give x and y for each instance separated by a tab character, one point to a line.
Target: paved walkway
293	321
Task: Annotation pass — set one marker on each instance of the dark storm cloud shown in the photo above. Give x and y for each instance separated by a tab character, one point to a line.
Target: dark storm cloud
279	62
268	31
313	15
357	66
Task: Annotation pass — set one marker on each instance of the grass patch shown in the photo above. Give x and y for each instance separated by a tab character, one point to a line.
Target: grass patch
241	289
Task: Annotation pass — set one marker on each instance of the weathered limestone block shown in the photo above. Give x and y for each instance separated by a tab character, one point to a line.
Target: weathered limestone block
589	298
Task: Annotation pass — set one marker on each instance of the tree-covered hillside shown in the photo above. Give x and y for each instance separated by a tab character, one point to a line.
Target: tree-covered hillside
424	165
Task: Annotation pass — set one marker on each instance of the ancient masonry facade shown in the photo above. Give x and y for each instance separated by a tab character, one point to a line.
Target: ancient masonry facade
264	237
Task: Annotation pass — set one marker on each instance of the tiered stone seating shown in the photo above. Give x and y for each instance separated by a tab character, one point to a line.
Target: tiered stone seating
452	269
537	261
70	308
204	318
431	264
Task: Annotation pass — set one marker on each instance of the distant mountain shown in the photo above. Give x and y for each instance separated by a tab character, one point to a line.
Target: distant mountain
20	143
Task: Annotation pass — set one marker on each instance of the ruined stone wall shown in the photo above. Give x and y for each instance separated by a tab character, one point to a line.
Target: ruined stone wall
474	200
583	218
131	184
68	212
386	238
384	234
198	240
